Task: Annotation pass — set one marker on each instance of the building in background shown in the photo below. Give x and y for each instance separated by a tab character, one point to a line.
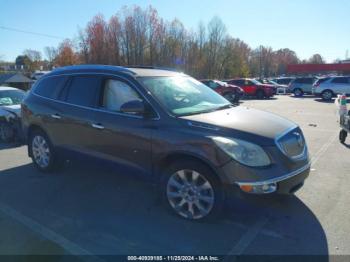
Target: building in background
307	69
17	80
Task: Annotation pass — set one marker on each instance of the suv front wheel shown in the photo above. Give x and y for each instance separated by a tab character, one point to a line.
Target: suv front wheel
192	191
42	151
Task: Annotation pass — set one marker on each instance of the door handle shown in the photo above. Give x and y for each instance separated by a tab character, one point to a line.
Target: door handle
56	116
98	126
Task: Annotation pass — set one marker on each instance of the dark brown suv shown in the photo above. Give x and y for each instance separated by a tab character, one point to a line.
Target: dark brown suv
191	140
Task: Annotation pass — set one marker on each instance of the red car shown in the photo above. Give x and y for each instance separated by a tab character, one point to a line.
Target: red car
231	92
254	88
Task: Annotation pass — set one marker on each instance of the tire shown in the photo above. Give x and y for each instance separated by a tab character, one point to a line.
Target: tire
231	96
6	132
342	136
327	95
192	191
260	94
298	92
42	152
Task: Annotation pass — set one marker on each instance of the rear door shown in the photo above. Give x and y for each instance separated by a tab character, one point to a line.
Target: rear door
307	84
340	85
78	115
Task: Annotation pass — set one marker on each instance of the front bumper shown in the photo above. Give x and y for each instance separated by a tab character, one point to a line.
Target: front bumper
285	184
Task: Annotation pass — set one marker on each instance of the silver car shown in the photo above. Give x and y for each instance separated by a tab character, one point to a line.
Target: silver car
333	86
301	86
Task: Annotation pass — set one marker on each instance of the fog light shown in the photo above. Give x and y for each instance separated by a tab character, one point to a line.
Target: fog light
259	189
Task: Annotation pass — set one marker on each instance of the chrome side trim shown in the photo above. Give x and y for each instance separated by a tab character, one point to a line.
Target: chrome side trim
276	179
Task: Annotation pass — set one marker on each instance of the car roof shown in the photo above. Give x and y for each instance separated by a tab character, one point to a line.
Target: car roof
3	88
136	71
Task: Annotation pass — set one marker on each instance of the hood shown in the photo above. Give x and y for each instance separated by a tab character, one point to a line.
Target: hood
13	108
247	121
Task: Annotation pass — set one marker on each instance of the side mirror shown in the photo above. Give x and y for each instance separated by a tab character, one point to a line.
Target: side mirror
135	107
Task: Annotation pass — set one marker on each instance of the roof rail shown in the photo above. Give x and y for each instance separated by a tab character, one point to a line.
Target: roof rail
153	67
93	67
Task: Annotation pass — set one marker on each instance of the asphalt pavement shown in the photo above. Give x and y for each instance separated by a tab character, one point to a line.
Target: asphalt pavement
91	209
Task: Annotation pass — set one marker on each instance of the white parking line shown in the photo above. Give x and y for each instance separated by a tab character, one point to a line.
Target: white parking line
247	238
69	246
323	149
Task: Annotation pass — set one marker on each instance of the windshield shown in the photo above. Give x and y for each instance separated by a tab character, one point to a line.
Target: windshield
272	82
182	95
221	83
11	97
255	81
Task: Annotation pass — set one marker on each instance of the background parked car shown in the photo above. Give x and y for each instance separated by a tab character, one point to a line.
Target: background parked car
331	86
38	74
10	113
283	80
231	92
301	86
254	88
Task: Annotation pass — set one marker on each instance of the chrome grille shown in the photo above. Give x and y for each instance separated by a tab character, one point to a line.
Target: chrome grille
292	144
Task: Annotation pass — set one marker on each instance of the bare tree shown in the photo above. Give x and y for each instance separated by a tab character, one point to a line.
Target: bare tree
51	53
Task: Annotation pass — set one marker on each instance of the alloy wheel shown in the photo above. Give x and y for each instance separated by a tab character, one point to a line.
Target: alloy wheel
41	151
327	95
190	194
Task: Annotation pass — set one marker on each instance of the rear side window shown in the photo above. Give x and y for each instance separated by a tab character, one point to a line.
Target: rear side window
341	80
51	87
82	90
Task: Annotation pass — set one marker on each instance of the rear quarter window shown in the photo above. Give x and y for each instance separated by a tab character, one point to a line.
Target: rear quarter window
51	87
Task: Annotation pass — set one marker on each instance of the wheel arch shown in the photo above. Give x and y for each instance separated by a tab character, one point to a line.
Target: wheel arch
167	160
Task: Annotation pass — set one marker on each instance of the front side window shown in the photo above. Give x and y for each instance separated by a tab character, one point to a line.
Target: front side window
83	89
11	97
340	80
116	94
182	95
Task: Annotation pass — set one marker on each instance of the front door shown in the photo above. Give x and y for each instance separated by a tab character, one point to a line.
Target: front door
122	137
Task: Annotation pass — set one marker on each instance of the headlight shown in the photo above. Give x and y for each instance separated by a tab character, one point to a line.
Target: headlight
242	151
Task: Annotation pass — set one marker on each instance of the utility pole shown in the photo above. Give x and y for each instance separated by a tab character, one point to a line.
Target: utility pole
260	62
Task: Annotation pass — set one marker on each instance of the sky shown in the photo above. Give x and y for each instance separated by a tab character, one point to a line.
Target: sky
305	26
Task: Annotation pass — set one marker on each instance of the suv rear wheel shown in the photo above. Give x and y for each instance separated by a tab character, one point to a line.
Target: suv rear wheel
298	92
327	95
42	151
191	190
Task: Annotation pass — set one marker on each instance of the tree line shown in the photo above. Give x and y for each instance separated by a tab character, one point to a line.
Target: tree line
139	36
